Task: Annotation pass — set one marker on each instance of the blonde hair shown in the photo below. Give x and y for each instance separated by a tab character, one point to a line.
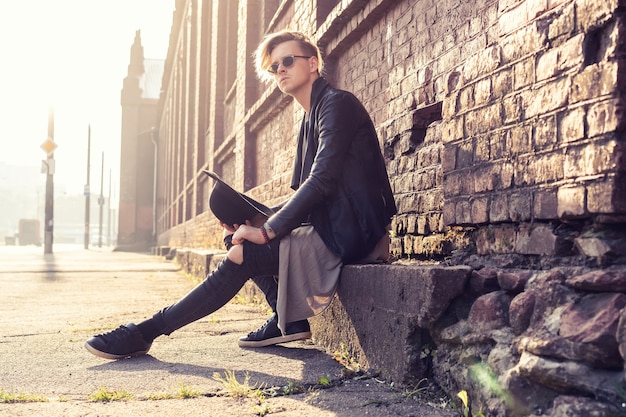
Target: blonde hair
262	55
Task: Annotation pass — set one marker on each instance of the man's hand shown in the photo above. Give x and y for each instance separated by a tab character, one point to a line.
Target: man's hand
249	233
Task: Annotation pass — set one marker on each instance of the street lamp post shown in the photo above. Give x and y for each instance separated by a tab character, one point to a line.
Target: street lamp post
49	146
87	191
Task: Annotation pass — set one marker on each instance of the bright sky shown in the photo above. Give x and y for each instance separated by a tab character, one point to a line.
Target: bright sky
71	55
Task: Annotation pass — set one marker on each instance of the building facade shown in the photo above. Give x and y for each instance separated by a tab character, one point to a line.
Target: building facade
496	116
139	100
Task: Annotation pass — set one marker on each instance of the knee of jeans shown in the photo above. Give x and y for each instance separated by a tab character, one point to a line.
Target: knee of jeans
235	254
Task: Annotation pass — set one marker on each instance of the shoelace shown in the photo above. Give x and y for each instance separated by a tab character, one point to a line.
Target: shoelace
260	329
121	331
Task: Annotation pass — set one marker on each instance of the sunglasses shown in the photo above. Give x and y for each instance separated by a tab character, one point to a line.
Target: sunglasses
287	62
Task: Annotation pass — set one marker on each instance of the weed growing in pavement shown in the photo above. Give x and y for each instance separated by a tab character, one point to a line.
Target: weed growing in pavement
324	381
104	395
238	389
351	366
183	392
20	397
262	410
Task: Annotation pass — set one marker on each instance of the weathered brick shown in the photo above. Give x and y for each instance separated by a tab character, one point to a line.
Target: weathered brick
547	64
536	240
466	98
520	206
481	149
480	210
499	144
570	53
448	161
546	168
591	159
545	204
482	63
513	18
512	107
544	132
608	196
594	81
604	117
593	13
571	202
484	178
453	129
524	42
465	154
524	73
496	239
482	91
547	97
520	139
463	212
483	119
452	184
564	23
449	212
571	125
498	208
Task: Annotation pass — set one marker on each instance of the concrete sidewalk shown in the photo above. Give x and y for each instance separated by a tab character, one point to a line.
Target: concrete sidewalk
50	304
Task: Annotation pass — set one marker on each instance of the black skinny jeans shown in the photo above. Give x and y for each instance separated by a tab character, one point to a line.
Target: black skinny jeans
260	262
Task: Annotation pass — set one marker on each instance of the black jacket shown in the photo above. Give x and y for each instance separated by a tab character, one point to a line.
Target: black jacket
339	176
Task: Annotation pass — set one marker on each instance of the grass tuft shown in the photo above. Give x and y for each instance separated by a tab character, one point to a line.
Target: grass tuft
20	397
104	395
238	389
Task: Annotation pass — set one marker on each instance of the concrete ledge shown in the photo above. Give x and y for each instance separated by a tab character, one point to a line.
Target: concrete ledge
382	314
161	250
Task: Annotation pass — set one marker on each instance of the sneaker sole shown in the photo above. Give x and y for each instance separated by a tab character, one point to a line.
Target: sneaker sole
105	355
275	340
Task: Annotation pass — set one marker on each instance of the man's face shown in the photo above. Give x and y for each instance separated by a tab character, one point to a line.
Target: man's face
293	71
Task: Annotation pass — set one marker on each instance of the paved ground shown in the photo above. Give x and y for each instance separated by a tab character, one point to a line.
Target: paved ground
50	304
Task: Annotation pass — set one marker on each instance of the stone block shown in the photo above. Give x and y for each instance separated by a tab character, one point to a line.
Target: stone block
547	64
495	240
604	117
545	204
607	197
595	81
592	13
520	206
480	210
546	98
499	208
463	212
381	318
524	73
544	132
571	202
571	125
564	23
449	213
537	240
484	119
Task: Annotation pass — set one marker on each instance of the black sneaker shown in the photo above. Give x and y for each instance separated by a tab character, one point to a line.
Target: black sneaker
123	342
269	333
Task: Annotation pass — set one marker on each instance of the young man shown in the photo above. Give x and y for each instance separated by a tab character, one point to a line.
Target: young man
339	213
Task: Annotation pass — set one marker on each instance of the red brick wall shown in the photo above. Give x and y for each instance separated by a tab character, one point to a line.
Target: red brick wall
491	114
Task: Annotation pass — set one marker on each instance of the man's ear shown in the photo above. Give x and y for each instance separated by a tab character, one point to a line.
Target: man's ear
314	64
